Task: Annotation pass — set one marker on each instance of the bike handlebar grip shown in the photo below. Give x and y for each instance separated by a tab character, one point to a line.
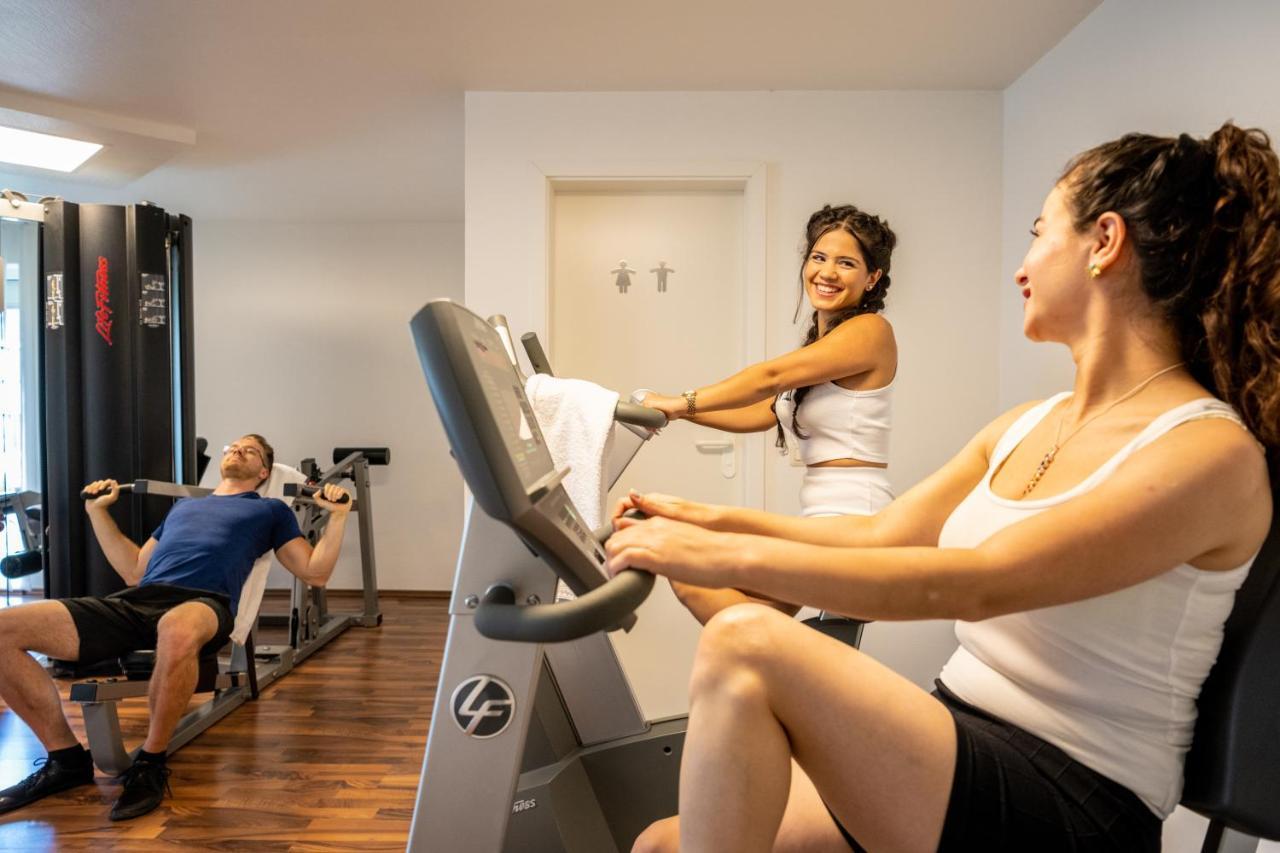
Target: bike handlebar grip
604	531
605	608
537	357
641	416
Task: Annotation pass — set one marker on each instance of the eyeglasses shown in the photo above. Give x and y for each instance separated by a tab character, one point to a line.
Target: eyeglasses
245	449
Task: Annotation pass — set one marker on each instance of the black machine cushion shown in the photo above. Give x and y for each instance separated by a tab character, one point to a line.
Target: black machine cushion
138	665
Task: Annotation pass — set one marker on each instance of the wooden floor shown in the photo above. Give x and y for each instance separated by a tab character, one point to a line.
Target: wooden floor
327	759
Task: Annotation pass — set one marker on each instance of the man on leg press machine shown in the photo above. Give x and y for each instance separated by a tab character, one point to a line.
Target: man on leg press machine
188	576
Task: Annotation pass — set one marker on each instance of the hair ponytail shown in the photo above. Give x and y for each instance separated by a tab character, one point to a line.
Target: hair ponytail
1204	220
1242	315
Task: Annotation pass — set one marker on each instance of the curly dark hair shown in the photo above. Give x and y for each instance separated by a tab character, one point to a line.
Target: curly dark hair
1204	220
876	241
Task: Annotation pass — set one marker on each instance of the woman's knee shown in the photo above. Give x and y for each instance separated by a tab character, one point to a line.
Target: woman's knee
743	633
736	648
662	836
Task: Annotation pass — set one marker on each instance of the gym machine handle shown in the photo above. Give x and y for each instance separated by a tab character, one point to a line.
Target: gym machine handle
293	490
537	357
157	488
86	495
604	608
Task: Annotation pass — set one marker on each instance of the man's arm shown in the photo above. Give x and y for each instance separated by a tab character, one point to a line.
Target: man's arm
315	565
124	555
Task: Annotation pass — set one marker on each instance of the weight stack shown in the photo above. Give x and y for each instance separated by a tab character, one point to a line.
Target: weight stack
124	377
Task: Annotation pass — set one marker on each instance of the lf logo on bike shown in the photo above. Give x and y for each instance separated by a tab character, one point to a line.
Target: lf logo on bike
483	706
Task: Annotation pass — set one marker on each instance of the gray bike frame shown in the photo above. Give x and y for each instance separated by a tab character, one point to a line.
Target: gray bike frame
569	771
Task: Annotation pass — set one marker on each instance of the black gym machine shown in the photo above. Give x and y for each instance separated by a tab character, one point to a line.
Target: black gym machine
117	399
115	380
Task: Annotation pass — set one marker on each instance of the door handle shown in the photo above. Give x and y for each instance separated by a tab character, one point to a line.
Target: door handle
728	455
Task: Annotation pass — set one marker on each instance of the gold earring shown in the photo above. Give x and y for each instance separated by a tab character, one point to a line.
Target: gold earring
1094	270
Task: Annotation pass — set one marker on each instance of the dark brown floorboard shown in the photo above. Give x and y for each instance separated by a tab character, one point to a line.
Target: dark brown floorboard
327	759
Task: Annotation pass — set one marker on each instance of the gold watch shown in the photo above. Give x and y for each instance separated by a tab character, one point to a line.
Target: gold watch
690	402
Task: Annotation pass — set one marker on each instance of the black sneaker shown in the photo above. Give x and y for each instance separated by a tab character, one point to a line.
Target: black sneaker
145	783
51	777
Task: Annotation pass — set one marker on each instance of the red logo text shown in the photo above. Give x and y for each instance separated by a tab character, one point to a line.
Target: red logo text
102	297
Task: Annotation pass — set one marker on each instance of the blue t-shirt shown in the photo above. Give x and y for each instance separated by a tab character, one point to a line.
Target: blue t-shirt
211	543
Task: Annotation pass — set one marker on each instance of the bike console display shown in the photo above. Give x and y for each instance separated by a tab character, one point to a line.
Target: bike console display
497	443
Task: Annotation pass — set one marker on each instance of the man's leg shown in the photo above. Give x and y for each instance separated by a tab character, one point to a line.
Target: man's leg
45	627
180	634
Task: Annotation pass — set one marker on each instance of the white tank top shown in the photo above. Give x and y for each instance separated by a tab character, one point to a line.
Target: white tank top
839	423
1111	680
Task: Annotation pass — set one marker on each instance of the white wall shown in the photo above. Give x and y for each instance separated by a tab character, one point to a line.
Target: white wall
1157	66
302	334
928	162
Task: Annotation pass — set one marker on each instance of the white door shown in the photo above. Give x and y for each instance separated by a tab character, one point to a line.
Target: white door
625	331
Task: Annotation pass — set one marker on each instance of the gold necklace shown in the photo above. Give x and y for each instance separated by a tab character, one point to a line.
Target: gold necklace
1058	440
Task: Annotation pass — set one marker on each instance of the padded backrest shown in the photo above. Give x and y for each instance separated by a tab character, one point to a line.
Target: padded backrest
1233	769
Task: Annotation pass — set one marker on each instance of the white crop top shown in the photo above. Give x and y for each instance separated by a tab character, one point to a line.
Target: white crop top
1111	680
839	423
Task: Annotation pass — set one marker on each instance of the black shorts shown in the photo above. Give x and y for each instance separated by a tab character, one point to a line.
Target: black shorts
1013	791
125	621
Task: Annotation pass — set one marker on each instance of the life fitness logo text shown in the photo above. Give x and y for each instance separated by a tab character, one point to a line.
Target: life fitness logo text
483	706
102	298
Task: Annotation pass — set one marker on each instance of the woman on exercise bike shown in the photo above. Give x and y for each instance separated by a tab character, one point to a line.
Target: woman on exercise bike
1090	544
832	398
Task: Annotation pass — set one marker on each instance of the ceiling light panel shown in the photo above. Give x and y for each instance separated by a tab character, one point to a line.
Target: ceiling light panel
44	151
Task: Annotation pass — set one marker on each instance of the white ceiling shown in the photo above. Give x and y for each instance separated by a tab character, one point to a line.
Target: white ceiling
339	109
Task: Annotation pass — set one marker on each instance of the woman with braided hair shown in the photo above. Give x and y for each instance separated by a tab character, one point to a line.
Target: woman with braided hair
1090	547
831	397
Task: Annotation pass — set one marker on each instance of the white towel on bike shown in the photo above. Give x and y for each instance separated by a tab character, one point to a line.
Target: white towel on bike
576	419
